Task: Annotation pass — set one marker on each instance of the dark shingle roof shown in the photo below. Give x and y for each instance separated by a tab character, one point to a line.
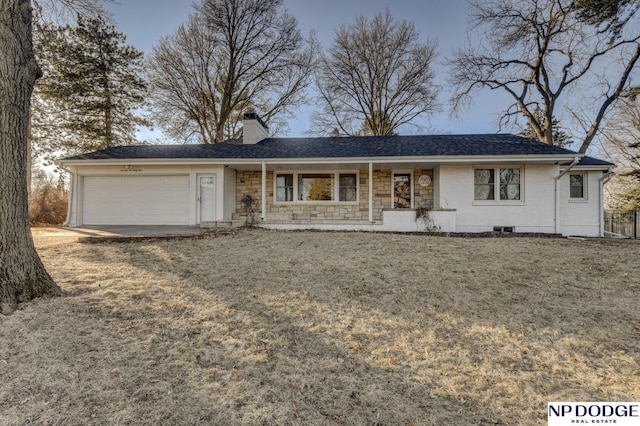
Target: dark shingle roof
591	161
340	147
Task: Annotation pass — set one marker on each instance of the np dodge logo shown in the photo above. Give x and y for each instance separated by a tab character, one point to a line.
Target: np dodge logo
594	413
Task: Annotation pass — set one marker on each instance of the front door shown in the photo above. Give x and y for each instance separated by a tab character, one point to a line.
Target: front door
206	198
402	190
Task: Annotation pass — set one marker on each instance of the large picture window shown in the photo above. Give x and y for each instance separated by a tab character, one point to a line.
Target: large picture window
508	186
316	187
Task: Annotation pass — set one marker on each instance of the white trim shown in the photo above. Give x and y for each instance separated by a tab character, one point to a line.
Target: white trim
606	177
459	159
199	196
586	168
80	201
556	191
70	197
370	192
336	187
263	207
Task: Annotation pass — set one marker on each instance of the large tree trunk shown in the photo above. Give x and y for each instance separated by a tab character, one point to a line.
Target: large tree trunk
22	274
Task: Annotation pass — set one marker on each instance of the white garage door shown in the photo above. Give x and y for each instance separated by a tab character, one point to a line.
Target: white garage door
136	200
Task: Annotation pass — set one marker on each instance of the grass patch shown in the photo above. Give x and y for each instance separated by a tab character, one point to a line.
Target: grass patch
261	327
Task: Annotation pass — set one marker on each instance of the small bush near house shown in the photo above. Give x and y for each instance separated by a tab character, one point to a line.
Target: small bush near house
48	206
249	205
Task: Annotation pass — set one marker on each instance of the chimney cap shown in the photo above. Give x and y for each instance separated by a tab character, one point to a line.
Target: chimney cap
254	116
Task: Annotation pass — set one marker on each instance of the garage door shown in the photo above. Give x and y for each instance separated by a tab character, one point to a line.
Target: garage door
136	200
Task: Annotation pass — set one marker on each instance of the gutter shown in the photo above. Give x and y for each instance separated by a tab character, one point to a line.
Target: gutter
576	160
603	180
448	159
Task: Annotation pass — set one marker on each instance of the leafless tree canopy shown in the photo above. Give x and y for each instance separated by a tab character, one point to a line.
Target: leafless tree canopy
375	77
230	57
622	146
61	12
545	57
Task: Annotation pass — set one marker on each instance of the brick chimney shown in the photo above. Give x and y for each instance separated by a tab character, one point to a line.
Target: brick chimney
253	129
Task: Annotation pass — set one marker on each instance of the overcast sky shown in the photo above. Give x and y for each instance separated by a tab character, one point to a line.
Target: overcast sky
144	22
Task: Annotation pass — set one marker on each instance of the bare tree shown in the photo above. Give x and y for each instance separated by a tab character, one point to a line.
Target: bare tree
22	274
545	54
64	11
622	146
230	57
375	77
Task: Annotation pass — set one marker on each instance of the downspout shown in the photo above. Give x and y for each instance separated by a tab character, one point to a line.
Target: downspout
603	180
576	160
263	214
72	185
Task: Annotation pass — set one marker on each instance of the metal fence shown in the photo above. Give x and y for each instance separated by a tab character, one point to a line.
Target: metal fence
621	222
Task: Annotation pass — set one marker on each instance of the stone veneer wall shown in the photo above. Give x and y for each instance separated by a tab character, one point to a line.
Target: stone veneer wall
423	195
249	182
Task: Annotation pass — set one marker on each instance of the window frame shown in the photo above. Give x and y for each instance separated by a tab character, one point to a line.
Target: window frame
497	185
285	187
335	176
347	187
314	178
585	193
491	184
409	172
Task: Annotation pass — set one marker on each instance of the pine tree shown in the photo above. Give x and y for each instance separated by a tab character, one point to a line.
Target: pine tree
560	137
90	90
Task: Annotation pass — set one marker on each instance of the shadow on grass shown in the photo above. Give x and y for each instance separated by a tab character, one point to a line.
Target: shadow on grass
316	328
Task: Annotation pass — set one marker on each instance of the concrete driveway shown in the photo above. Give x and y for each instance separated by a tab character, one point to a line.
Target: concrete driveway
118	231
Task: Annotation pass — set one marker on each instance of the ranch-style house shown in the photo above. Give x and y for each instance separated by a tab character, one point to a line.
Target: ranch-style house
437	183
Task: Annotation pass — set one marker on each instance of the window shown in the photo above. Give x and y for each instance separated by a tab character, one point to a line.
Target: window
402	190
576	185
316	187
348	187
508	187
484	184
284	187
509	184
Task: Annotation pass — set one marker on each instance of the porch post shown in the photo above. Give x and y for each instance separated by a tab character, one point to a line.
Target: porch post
263	209
370	192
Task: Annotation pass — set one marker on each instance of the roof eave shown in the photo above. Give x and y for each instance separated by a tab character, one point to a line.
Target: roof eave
605	167
447	159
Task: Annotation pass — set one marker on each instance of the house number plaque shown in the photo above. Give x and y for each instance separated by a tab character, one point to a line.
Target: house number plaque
424	180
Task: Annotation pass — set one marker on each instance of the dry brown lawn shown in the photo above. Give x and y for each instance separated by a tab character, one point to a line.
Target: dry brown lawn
260	327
